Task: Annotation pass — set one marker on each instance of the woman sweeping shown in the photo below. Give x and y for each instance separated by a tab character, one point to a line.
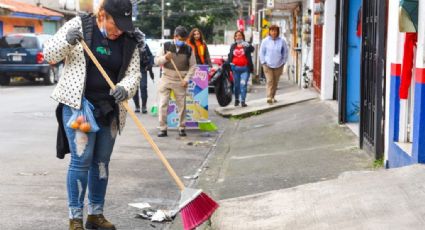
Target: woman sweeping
106	35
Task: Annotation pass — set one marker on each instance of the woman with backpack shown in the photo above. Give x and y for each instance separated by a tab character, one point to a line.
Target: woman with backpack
146	63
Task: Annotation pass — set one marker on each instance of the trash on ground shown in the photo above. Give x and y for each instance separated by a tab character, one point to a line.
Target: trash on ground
194	176
33	174
140	205
148	213
157	215
199	143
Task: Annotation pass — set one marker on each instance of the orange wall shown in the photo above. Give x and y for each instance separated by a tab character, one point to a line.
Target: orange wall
9	22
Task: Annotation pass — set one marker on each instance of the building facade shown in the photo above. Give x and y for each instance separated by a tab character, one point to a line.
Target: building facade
405	142
19	17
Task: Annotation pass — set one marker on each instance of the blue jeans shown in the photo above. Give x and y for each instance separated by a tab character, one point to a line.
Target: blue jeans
90	156
143	91
241	77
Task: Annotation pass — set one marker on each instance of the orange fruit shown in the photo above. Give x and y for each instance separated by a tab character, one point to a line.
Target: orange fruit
80	119
85	127
75	125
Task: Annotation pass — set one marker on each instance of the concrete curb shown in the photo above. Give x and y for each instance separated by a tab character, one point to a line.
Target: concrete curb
260	105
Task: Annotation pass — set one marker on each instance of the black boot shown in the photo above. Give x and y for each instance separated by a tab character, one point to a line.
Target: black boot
236	102
182	133
162	133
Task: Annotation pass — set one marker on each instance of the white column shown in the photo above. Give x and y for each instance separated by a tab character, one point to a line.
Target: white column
395	41
328	50
420	54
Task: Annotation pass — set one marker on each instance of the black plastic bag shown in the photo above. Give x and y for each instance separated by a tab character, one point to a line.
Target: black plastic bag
223	86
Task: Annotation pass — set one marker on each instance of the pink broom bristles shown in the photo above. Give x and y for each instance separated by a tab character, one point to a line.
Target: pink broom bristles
197	211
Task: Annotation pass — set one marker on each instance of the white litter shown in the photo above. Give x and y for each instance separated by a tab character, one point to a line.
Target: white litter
140	205
154	215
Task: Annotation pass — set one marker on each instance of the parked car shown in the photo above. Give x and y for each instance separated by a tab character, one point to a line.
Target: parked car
22	55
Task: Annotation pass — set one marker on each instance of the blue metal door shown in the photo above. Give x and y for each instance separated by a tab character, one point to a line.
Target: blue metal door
353	61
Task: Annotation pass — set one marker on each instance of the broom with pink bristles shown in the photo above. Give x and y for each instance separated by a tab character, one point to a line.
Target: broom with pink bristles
195	206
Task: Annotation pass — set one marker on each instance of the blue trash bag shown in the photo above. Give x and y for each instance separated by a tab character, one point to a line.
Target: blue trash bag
81	117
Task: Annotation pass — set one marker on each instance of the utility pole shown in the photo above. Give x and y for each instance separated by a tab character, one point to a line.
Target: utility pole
240	9
162	20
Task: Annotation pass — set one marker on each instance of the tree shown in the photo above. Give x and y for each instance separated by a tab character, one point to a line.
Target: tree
203	14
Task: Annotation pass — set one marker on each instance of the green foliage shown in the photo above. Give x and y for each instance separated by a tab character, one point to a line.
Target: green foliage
378	163
203	14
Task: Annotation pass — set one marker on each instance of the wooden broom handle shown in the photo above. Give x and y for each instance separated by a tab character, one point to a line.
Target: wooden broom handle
139	124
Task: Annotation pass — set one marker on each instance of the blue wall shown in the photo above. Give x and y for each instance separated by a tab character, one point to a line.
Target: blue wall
353	63
419	121
396	156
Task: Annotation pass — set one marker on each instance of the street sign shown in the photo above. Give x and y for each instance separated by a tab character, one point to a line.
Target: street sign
166	32
270	3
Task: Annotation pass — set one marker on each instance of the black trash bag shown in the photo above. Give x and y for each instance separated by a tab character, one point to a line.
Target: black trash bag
223	87
216	77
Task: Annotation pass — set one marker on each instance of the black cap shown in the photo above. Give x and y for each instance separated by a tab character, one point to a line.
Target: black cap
180	31
121	11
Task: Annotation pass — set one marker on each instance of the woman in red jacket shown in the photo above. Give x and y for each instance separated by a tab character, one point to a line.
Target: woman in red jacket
241	62
197	43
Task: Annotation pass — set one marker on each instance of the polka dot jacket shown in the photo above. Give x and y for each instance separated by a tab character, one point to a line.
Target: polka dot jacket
70	87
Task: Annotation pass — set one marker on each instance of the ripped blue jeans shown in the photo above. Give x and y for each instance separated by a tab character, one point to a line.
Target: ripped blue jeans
241	77
90	156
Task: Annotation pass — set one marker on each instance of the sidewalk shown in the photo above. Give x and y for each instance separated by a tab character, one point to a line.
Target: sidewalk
385	199
296	168
259	105
261	157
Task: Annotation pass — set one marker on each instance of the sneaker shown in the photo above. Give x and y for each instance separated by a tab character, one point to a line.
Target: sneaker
99	222
137	110
144	110
162	133
236	102
182	133
76	224
269	100
244	104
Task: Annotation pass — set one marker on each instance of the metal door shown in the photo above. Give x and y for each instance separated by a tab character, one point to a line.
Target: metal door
372	118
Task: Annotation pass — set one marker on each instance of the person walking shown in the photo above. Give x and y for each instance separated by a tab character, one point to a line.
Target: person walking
146	62
197	42
240	59
273	56
182	55
106	36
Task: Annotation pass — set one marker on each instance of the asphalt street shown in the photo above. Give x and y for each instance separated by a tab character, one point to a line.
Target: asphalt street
32	180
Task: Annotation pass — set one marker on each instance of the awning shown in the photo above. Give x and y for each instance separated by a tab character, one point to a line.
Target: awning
25	10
